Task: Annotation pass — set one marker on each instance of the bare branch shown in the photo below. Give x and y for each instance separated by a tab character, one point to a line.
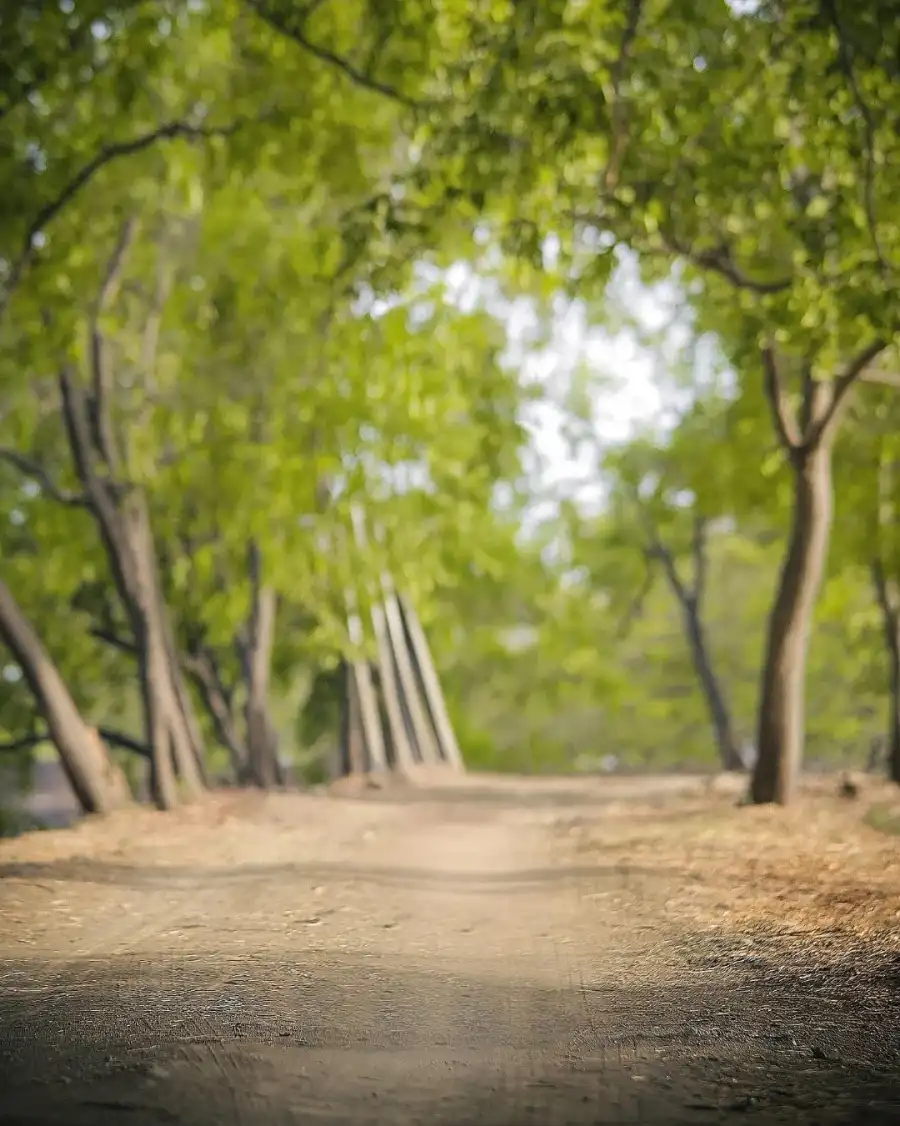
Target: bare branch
33	469
785	421
295	29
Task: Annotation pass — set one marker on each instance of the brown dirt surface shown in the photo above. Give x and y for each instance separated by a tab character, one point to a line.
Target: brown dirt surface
480	950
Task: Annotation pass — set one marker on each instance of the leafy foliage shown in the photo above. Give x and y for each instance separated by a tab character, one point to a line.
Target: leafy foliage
244	213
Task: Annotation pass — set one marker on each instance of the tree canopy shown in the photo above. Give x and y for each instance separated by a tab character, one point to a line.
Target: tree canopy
228	326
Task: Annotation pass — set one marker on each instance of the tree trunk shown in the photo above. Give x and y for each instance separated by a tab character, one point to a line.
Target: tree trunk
168	734
690	598
781	721
98	784
807	436
218	698
353	748
123	520
256	652
726	742
153	667
889	601
182	693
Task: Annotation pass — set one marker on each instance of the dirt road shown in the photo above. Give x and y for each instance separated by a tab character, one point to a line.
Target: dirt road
501	953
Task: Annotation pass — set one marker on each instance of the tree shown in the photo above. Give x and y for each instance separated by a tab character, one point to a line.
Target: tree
670	527
867	542
709	141
139	184
96	782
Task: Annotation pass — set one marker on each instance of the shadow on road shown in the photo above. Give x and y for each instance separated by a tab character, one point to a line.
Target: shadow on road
355	1040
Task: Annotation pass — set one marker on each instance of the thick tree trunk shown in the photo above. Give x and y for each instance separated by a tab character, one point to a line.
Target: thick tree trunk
889	601
806	436
782	720
98	784
256	652
723	730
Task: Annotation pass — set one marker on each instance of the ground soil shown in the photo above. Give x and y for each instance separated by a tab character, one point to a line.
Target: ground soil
488	951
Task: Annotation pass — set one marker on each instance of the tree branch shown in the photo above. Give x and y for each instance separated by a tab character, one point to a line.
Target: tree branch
845	60
33	469
107	734
107	154
789	435
125	742
99	412
78	433
698	556
843	384
720	261
807	398
23	744
637	605
881	378
294	29
658	550
617	122
114	639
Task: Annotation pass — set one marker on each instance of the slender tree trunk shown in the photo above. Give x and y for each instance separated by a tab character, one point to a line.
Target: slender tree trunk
218	698
888	597
182	693
98	784
168	734
153	668
782	720
256	652
690	597
723	730
354	759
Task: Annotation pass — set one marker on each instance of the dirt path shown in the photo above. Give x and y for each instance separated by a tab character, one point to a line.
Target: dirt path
502	953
